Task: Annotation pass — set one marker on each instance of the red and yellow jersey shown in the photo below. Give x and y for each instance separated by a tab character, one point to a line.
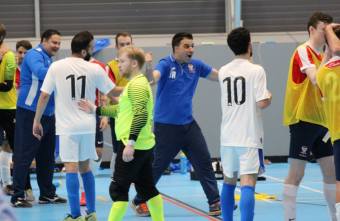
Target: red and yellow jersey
328	80
115	75
303	99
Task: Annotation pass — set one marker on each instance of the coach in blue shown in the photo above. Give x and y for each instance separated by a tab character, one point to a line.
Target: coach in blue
175	128
27	147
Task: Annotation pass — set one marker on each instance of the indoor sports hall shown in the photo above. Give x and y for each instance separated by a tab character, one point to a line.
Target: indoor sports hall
277	29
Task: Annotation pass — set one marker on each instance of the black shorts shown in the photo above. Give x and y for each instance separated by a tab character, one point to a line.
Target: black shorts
306	142
336	146
99	134
7	123
137	171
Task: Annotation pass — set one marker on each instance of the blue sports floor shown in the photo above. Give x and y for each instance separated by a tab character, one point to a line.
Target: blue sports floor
184	199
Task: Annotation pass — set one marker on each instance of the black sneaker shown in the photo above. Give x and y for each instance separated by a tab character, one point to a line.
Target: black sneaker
54	199
215	209
22	203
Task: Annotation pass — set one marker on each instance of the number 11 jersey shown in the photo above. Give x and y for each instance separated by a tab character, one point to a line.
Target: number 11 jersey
72	79
242	84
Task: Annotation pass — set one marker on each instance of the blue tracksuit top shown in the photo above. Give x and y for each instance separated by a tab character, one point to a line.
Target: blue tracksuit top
33	71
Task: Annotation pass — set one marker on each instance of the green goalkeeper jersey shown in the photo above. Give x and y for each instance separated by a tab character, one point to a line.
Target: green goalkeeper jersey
134	113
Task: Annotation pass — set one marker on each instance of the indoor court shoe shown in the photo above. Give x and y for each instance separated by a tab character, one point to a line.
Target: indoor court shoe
215	209
21	203
54	199
29	195
91	217
141	209
69	218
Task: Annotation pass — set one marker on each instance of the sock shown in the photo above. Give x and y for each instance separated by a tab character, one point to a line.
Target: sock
227	201
113	162
5	167
155	205
289	201
329	193
247	203
94	165
81	184
90	191
72	187
118	211
337	207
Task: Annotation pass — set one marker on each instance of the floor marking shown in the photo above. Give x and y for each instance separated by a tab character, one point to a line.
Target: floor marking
302	186
188	207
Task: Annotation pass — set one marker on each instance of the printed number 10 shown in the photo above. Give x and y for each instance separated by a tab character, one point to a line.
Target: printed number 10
237	101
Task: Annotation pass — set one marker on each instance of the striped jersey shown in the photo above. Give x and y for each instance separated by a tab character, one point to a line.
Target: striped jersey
134	114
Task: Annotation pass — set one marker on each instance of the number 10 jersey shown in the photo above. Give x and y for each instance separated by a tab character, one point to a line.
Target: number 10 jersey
242	85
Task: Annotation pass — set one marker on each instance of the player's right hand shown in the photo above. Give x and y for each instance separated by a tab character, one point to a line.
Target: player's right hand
87	106
37	130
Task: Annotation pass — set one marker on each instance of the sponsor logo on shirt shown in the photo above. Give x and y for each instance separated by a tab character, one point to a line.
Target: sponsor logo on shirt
172	74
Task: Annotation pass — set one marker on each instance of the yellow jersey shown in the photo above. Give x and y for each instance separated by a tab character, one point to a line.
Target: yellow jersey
303	99
328	80
8	99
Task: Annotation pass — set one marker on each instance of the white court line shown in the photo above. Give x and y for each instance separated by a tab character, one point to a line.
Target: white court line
302	186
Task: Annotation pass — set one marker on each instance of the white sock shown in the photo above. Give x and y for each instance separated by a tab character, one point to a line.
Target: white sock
289	201
94	165
329	192
81	184
113	162
337	207
5	167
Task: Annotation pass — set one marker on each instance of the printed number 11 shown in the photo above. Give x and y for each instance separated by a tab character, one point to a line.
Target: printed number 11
73	86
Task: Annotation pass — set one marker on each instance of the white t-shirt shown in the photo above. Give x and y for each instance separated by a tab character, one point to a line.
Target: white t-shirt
72	79
242	85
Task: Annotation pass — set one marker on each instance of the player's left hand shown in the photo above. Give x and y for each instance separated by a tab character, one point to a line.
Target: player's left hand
37	130
128	153
104	122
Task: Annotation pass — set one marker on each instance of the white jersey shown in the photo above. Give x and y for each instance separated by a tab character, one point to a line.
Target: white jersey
72	79
242	85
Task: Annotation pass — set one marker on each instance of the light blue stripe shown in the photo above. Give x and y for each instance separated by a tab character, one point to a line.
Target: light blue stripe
33	91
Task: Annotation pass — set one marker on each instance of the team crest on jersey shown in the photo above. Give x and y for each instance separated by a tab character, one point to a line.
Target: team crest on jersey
172	74
191	68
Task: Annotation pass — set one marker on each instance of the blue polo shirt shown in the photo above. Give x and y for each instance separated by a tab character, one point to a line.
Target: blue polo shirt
33	71
176	88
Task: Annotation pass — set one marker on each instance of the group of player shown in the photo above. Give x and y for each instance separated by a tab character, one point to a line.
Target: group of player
143	153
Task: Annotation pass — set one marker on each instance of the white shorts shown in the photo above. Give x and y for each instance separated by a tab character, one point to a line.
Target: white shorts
79	147
243	160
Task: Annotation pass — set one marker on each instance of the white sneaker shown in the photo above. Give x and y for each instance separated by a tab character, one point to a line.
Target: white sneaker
29	195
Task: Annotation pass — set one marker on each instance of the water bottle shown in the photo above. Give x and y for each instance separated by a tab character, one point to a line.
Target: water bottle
183	163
